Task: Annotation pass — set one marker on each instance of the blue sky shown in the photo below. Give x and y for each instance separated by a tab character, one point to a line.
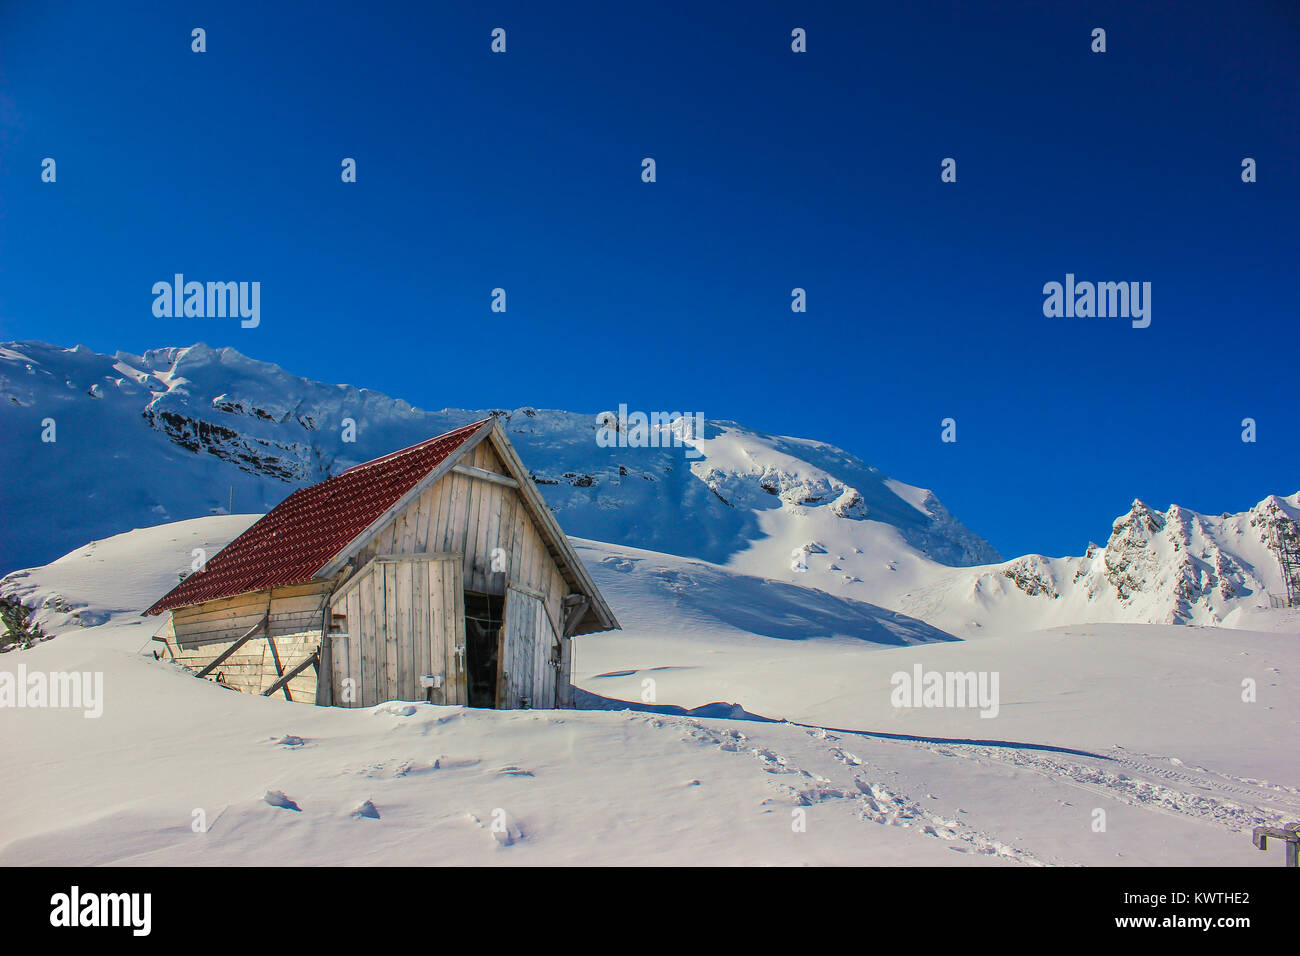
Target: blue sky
775	170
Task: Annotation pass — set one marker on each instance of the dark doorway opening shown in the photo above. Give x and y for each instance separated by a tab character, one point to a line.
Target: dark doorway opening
483	618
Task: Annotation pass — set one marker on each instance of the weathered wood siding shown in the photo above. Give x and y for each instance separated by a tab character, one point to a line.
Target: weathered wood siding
199	634
258	664
529	654
462	515
487	526
405	619
292	610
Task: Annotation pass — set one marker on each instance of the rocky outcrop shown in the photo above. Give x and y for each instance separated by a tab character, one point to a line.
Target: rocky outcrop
287	463
1030	576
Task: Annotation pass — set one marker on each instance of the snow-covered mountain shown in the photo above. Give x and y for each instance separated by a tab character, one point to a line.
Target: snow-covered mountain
143	439
176	433
1170	567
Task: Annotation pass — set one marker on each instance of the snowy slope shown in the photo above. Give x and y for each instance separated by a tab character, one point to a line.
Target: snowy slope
115	579
1171	567
1144	722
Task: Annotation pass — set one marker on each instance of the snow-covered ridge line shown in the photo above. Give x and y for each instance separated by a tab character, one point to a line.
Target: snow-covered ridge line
183	432
1170	567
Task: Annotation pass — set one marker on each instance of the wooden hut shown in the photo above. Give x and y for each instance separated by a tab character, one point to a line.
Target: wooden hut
435	573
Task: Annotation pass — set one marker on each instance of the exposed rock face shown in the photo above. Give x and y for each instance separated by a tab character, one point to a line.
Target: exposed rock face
1171	567
1030	576
1177	557
850	505
257	456
1129	560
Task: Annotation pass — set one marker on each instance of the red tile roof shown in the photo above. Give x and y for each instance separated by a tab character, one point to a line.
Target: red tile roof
300	535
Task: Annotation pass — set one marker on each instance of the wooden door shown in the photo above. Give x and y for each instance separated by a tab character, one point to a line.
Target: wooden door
405	622
446	628
529	653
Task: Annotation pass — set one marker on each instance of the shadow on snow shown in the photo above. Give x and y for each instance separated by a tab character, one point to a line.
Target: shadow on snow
586	700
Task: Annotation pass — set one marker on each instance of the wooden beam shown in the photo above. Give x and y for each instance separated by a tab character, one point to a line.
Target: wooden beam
324	651
419	556
473	471
275	659
309	662
240	642
574	612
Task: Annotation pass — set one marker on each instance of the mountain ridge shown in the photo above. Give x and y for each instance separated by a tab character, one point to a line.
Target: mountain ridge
195	429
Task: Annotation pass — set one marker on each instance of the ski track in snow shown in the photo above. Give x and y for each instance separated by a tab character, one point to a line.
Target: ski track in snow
1212	805
1235	803
1246	788
871	801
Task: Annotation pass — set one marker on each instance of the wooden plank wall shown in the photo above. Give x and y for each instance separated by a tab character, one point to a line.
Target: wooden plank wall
463	515
527	649
293	609
199	634
252	668
516	650
447	630
473	518
545	673
405	618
